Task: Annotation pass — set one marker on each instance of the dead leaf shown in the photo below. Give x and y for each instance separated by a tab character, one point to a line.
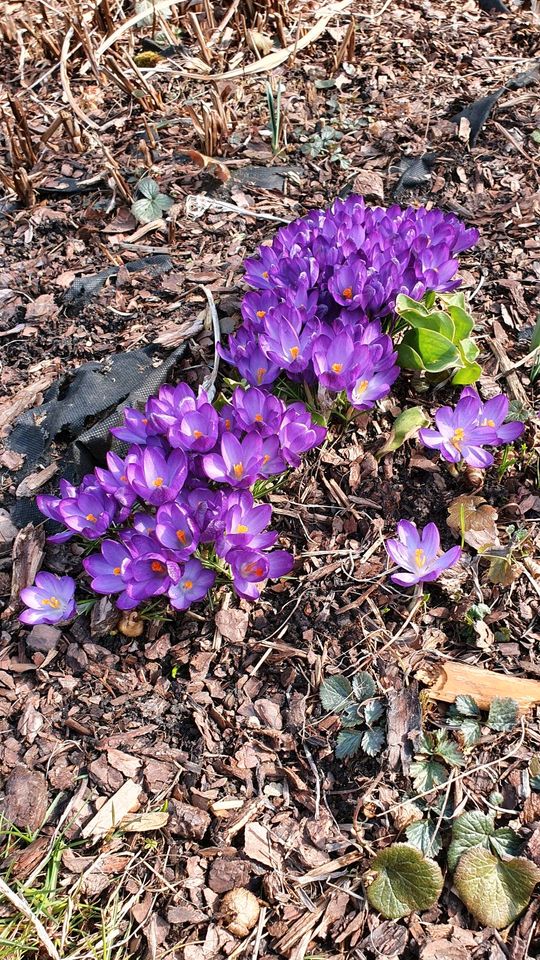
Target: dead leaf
123	762
503	571
214	167
473	519
258	845
145	822
43	307
232	624
369	183
259	42
125	800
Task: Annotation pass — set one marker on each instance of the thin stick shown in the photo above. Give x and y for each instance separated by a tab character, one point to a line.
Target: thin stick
209	383
23	907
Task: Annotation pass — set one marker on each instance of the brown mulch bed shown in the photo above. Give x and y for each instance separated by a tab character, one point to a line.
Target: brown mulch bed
215	716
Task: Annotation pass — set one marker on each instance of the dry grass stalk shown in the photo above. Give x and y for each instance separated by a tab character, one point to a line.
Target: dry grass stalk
345	53
199	36
153	94
23	133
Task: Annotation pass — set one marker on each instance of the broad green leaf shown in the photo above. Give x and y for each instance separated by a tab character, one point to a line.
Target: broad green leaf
467	705
534	773
505	842
437	320
406	307
495	892
436	352
336	694
427	775
406	425
401	880
408	358
348	743
373	711
503	713
364	686
373	741
471	829
467	374
469	350
535	338
423	835
152	203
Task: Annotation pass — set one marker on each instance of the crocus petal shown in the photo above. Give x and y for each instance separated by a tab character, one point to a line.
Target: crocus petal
430	541
405	579
508	432
408	534
476	457
430	438
496	409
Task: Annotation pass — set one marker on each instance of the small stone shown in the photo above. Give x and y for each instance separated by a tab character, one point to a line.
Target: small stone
76	659
25	802
43	638
187	821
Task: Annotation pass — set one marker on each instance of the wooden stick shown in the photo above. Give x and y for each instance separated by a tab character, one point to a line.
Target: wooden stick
457	679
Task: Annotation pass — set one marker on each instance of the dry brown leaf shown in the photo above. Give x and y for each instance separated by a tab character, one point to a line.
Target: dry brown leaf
503	571
473	519
214	167
144	822
114	810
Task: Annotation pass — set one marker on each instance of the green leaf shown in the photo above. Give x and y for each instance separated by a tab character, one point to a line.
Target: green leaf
427	775
495	892
353	716
467	705
469	350
505	842
152	204
469	732
503	713
373	741
336	694
364	686
438	321
446	748
422	834
348	743
471	829
405	426
534	773
401	880
535	337
408	358
373	711
466	375
408	308
436	352
535	135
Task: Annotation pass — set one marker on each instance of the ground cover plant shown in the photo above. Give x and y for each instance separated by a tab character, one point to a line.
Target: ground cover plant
269	681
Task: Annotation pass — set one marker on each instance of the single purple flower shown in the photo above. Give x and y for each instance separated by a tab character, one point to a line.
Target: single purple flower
114	480
176	530
286	342
493	413
244	524
170	405
245	354
336	360
417	553
89	514
458	436
50	600
155	477
239	463
196	431
257	411
137	428
298	433
372	384
108	569
193	585
347	283
151	573
250	568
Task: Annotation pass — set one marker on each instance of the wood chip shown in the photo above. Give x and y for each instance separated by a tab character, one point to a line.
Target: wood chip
124	801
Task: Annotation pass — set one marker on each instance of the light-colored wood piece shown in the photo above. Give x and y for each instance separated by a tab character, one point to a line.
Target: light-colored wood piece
455	679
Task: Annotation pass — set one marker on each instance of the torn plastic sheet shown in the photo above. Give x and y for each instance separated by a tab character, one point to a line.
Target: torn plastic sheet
84	289
80	409
477	113
415	172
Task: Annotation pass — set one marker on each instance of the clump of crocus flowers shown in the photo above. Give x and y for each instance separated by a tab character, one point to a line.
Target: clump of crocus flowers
179	508
323	286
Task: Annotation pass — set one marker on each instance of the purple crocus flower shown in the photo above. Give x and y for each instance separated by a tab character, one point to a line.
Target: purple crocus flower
89	514
137	428
458	435
245	354
493	413
298	433
286	341
151	572
347	283
257	411
50	600
193	585
196	431
108	569
176	530
417	553
239	463
336	360
155	477
170	405
114	480
244	524
250	568
372	384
